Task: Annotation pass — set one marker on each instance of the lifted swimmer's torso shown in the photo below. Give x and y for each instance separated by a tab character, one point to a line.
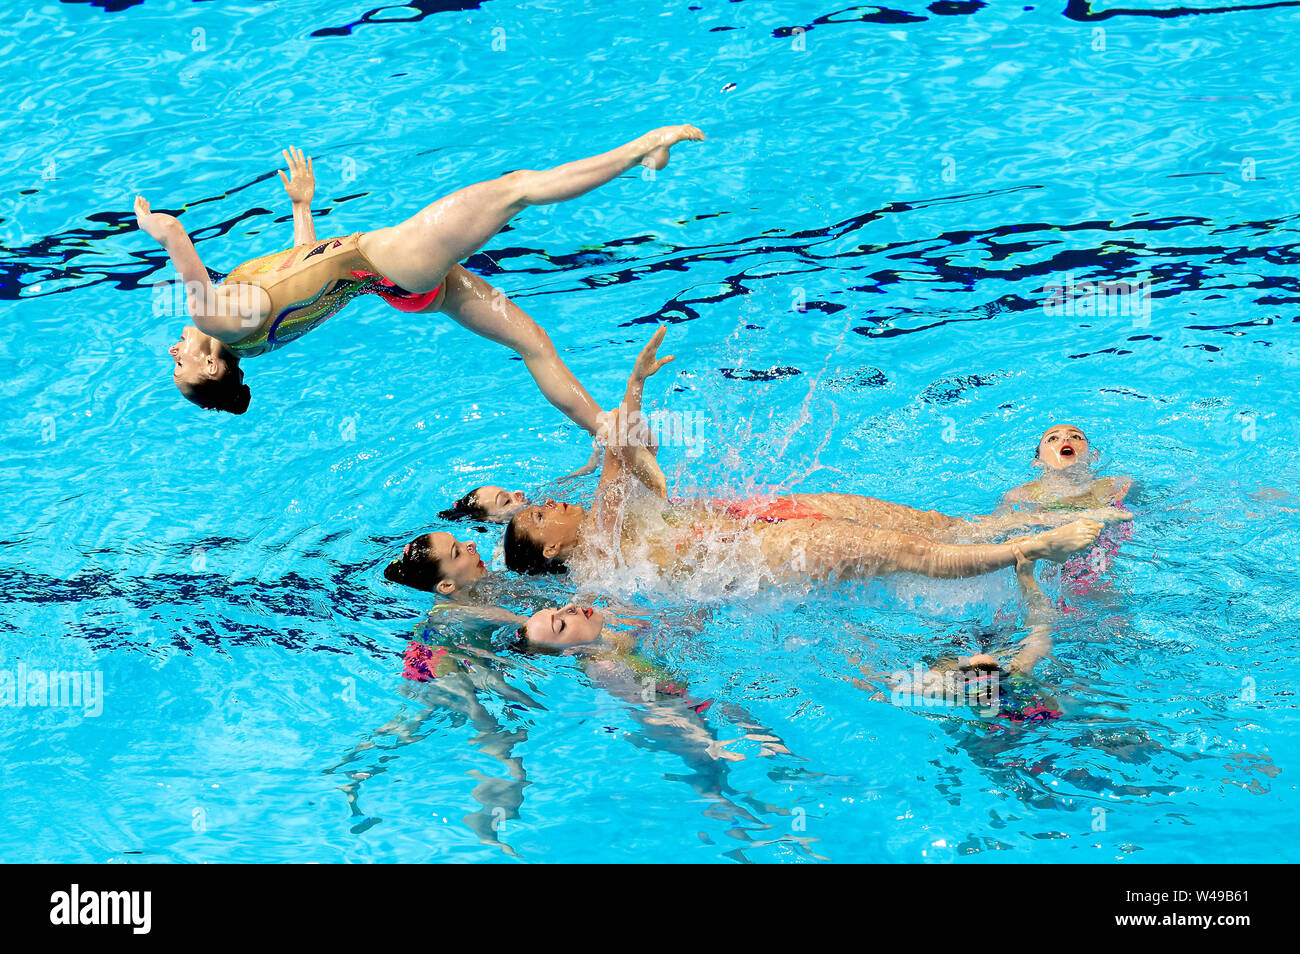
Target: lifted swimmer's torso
283	296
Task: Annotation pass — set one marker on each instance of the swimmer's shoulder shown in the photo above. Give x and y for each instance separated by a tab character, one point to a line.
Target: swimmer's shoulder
1025	493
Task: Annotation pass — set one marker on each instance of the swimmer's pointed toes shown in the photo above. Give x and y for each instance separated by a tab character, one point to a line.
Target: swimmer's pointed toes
1089	530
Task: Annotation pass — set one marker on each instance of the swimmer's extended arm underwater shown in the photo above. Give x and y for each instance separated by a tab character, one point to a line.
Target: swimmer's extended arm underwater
1039	614
474	611
300	184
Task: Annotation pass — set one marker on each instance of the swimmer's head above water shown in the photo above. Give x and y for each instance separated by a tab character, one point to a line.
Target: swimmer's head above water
437	563
1062	446
488	503
540	538
563	626
207	372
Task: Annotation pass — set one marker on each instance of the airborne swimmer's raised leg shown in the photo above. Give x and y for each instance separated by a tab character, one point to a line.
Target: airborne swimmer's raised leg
418	253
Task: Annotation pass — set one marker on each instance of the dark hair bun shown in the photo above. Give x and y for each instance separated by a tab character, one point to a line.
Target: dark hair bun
463	509
240	399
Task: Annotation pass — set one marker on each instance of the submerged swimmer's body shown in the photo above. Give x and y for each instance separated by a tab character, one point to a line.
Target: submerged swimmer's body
1001	690
808	543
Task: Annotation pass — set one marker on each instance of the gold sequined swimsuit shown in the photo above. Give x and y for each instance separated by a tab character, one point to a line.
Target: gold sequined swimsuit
310	283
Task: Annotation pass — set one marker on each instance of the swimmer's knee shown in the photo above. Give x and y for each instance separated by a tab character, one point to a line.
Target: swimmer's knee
940	519
519	186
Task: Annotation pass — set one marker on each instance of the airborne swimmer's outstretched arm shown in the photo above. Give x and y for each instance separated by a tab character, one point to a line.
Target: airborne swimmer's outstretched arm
301	186
168	232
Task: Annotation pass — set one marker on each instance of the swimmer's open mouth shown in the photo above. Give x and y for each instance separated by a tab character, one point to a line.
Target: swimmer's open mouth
587	612
1067	451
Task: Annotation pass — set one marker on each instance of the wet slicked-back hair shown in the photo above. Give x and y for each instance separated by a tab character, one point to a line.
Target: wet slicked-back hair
419	575
524	555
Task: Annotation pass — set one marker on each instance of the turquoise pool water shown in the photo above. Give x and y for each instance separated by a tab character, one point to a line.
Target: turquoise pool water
854	268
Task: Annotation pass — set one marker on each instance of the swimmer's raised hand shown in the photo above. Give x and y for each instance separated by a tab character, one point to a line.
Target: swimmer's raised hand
158	225
621	428
647	362
300	183
641	458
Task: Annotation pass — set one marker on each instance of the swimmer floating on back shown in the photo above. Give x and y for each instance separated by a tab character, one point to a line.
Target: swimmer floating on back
1069	486
487	504
607	647
439	562
269	301
792	539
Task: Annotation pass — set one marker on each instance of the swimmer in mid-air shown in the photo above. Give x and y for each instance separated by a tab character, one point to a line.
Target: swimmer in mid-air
1067	482
269	301
789	536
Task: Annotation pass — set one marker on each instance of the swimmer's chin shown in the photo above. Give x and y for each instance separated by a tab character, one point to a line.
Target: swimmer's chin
1070	466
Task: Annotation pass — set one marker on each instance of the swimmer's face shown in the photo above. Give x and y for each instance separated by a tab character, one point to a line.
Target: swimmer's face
454	564
552	526
1062	446
197	358
497	504
570	625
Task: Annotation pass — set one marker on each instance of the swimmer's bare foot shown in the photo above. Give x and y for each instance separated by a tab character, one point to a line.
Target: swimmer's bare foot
1057	545
1107	514
667	137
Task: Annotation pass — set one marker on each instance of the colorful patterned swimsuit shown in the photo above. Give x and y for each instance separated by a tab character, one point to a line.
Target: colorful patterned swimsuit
1085	571
310	283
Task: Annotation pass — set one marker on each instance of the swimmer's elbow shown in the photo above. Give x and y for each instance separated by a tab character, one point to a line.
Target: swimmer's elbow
223	329
534	344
